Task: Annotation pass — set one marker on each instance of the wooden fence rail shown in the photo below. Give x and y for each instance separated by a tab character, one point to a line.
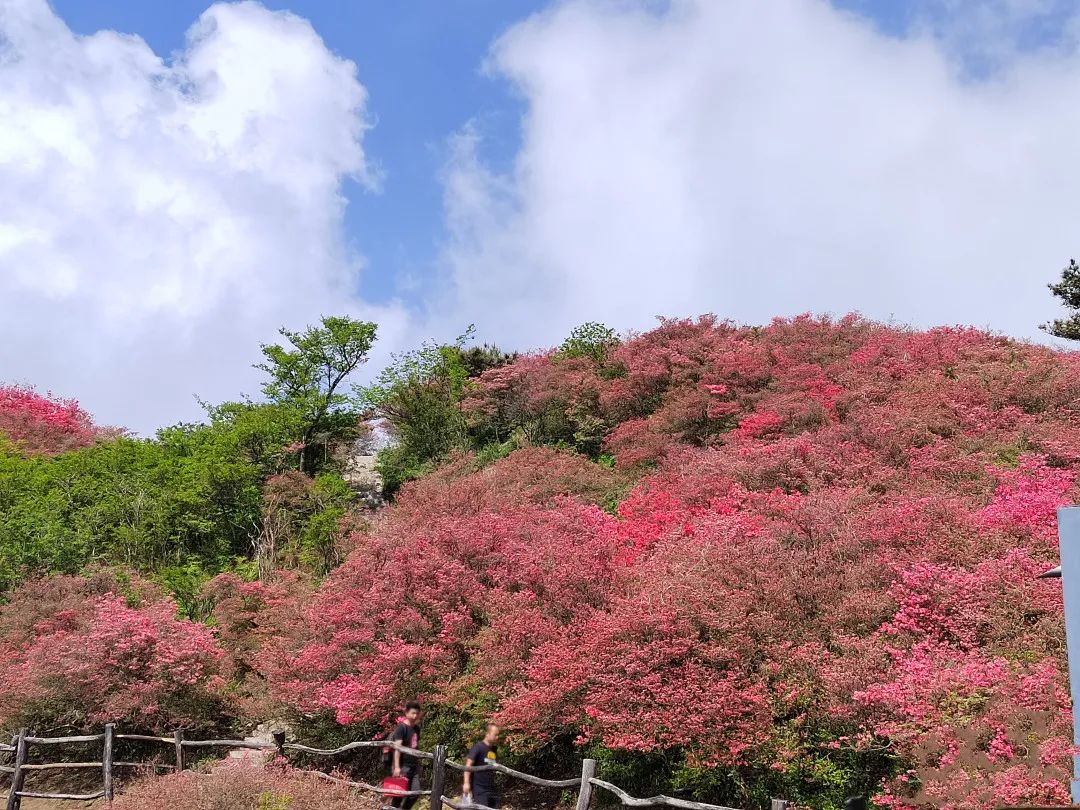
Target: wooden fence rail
585	783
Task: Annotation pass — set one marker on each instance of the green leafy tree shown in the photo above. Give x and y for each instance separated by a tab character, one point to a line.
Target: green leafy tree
1068	291
592	340
478	359
306	377
418	394
188	499
197	500
258	432
300	523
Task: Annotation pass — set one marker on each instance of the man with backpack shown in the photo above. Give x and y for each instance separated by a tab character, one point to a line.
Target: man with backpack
479	787
405	765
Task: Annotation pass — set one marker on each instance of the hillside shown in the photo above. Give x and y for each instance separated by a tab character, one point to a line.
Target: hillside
731	562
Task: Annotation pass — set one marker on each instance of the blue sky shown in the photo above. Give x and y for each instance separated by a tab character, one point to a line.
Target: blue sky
166	204
422	62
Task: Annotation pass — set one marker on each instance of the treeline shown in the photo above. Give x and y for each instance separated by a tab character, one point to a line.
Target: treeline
256	485
727	562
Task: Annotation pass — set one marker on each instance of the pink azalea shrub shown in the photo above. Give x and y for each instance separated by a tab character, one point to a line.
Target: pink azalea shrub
829	556
84	651
34	423
241	787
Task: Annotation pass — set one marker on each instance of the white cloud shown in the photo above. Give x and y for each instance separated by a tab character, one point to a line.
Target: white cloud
159	219
756	158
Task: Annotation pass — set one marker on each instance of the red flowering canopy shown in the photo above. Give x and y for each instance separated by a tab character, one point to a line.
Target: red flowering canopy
823	556
43	424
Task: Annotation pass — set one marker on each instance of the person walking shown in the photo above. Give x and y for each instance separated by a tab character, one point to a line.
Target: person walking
479	787
406	765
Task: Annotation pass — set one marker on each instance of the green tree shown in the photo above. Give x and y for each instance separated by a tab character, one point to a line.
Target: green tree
300	522
418	394
478	359
592	340
1068	291
196	500
306	377
188	499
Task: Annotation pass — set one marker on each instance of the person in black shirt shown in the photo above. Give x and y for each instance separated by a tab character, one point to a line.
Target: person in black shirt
407	734
479	787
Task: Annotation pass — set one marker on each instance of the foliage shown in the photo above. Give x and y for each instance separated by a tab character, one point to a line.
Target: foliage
419	395
240	786
37	424
187	504
829	557
300	522
128	501
1068	291
306	379
85	651
591	340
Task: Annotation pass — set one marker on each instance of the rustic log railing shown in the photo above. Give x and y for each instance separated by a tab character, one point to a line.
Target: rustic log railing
584	783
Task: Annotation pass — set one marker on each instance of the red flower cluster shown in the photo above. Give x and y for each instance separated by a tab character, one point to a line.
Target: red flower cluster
823	555
75	650
43	424
835	551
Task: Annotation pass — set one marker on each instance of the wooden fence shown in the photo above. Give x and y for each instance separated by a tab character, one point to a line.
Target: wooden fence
21	744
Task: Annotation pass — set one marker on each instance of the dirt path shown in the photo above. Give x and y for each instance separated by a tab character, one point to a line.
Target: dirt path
59	782
53	804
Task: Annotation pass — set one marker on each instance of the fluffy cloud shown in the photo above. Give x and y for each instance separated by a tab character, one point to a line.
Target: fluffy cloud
762	158
159	219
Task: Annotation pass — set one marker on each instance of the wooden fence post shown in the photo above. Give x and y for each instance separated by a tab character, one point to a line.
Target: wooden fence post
178	744
438	777
588	771
14	801
107	761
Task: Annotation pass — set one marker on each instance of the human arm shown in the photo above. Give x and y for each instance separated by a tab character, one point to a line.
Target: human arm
473	758
399	736
466	780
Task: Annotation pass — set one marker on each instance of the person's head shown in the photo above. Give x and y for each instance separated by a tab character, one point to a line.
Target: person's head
491	734
412	712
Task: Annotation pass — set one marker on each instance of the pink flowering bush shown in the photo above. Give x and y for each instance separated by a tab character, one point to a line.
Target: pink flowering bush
477	569
828	557
239	786
86	651
43	424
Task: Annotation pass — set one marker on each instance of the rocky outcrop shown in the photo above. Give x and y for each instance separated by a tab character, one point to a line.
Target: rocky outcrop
359	464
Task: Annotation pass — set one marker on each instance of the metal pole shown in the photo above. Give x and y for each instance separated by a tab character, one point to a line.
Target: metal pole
1069	539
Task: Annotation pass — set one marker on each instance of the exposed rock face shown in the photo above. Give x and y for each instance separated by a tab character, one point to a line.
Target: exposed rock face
359	464
263	735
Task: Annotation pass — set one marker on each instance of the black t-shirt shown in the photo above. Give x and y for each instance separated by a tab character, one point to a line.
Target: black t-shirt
483	754
409	736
